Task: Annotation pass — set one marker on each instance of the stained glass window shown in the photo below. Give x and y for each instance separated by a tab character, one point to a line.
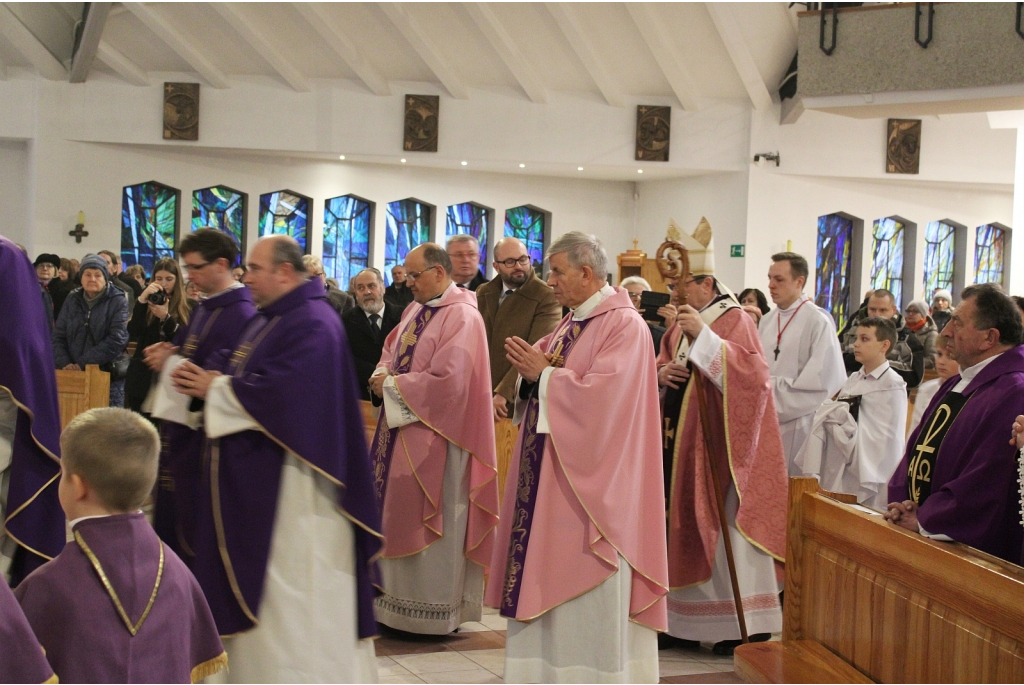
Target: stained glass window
529	225
408	225
834	262
149	223
939	254
887	257
988	254
285	212
347	221
470	219
222	208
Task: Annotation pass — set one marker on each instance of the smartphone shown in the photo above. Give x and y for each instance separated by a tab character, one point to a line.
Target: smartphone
650	303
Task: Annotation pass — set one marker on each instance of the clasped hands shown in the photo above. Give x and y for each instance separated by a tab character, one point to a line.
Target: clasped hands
903	514
192	380
527	360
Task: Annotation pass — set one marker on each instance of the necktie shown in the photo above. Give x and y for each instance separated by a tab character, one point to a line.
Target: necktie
505	295
375	323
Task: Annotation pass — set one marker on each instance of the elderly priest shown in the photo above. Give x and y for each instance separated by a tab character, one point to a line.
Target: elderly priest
580	561
285	554
434	454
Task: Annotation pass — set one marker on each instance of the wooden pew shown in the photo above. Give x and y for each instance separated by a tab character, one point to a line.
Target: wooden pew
78	391
887	605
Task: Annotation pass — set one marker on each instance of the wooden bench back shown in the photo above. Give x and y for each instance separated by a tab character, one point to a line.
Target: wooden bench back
78	391
897	606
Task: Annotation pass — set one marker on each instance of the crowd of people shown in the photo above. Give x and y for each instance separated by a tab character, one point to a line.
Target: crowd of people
274	525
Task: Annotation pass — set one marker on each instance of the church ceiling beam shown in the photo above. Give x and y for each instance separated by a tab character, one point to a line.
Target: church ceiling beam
665	54
179	44
22	40
507	50
89	42
234	15
569	23
125	68
345	49
729	31
418	39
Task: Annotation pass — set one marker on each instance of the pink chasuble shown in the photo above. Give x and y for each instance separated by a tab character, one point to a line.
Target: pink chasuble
752	457
597	494
439	357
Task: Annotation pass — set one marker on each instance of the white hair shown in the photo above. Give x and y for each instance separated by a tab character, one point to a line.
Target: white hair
582	250
461	238
636	280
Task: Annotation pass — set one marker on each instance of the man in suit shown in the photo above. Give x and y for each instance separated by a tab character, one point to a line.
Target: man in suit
398	292
367	324
464	251
515	303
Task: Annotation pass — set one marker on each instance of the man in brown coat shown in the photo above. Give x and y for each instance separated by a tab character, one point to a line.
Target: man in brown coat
515	303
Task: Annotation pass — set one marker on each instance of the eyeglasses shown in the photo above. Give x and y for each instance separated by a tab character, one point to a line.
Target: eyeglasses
413	275
192	268
521	261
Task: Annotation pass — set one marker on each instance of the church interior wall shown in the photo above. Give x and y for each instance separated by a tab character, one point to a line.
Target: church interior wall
13	189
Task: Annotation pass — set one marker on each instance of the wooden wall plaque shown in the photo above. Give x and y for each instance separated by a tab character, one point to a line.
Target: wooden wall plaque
903	147
181	111
421	123
653	128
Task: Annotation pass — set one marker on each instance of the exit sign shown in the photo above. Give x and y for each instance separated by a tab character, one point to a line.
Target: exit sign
737	250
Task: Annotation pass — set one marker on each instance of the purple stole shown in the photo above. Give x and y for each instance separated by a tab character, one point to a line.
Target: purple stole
560	345
384	438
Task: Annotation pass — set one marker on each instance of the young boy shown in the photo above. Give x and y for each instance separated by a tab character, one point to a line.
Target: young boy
946	367
858	439
21	658
116	605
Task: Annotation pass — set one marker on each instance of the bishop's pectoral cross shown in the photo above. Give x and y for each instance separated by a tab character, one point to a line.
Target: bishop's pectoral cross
669	434
776	353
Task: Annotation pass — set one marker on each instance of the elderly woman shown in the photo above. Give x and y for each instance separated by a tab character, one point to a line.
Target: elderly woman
922	326
942	308
635	285
92	326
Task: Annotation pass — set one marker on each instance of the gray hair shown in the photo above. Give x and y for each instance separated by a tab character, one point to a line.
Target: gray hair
635	280
312	263
460	238
370	270
582	250
287	251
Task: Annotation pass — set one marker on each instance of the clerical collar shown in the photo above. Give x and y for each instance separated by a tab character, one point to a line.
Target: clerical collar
438	299
235	285
971	372
796	303
584	310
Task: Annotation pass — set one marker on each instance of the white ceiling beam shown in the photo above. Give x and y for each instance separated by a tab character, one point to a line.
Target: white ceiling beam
665	53
729	31
179	44
127	69
571	28
22	40
89	41
507	50
318	18
233	14
420	42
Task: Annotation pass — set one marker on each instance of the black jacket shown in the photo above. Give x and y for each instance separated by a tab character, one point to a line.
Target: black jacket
91	336
400	297
366	348
144	333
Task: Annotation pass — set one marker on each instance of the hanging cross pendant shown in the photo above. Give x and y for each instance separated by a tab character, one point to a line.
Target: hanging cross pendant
776	353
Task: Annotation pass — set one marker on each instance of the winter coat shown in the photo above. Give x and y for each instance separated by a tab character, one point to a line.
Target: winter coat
926	335
106	322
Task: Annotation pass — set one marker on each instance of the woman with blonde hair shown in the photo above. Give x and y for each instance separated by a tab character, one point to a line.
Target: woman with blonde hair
161	309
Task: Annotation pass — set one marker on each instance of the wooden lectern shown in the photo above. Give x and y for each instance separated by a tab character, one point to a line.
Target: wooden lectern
79	391
636	263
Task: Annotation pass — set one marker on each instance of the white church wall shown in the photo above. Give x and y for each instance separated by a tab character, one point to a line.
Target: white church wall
13	190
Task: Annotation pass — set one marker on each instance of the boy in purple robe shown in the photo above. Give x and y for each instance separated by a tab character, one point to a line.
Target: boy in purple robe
116	605
208	256
33	525
957	480
21	657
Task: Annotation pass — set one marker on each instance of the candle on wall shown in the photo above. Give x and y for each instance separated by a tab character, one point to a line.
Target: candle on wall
789	246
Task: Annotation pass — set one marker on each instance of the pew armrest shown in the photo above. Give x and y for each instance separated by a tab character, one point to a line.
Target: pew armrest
793	661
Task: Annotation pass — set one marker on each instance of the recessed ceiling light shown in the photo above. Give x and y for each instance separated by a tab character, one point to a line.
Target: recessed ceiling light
341	157
579	168
464	162
639	171
403	160
522	166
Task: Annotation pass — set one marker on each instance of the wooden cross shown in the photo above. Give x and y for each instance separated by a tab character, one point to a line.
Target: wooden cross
79	232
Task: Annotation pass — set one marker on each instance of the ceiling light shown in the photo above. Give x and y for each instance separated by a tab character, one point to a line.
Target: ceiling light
341	157
522	166
403	160
639	171
579	168
464	162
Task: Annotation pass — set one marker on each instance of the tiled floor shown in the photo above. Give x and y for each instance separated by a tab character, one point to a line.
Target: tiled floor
476	654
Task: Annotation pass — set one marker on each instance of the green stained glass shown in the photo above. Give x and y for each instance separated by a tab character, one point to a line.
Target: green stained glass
939	254
988	254
887	257
222	208
149	223
529	225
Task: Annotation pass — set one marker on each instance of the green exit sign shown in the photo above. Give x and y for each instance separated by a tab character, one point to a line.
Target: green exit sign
737	250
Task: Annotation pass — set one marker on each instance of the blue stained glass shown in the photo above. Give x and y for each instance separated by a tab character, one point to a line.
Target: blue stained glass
470	219
528	224
988	254
346	238
887	257
222	208
834	265
149	223
939	254
285	213
408	225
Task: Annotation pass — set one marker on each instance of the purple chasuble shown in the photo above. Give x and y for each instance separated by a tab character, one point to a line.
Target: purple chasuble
559	346
293	373
21	656
210	336
973	494
34	518
118	606
384	438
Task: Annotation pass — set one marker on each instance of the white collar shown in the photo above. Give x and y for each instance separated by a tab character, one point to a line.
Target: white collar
72	524
585	309
971	372
796	303
877	373
234	286
434	301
